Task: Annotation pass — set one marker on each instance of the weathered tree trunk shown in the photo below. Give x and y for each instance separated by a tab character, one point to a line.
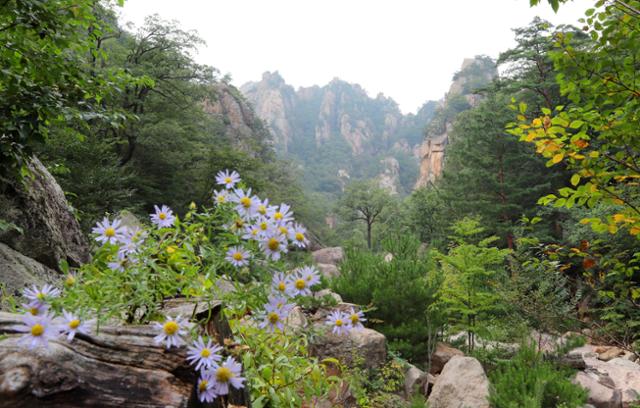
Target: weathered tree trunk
119	367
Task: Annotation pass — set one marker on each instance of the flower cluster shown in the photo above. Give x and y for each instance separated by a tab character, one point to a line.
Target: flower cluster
272	226
343	322
129	239
39	323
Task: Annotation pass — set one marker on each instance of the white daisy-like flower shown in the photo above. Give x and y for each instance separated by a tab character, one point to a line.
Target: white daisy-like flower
238	256
356	319
163	217
171	331
299	285
252	232
282	214
118	265
206	392
39	330
39	297
109	232
220	197
339	321
73	325
225	374
274	244
228	180
264	209
310	274
280	284
246	204
35	309
298	236
203	355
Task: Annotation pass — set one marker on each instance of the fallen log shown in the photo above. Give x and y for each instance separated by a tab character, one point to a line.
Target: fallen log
119	367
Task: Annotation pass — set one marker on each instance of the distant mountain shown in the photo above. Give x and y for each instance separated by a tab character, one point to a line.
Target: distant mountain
337	132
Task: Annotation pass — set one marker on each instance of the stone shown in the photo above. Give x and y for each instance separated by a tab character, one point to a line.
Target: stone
601	394
586	351
441	355
18	271
364	347
619	375
296	319
462	384
328	292
330	255
413	379
610	353
329	271
50	232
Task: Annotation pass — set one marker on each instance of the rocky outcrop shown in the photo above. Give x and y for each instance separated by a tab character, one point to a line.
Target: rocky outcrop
240	123
389	179
462	384
18	271
49	231
328	126
474	73
365	347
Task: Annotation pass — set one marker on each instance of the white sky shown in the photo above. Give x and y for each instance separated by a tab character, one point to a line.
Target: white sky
406	49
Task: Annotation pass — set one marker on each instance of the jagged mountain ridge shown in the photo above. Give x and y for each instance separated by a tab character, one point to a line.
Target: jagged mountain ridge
337	132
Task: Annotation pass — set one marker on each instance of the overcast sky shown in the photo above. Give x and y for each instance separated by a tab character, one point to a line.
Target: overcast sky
406	49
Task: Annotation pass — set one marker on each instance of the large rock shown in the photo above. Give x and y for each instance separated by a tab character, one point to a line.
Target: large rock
441	356
331	255
18	271
462	384
50	233
614	383
328	270
363	347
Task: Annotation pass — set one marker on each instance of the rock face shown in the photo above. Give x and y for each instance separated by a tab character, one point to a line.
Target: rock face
474	73
50	233
462	384
365	346
338	125
18	271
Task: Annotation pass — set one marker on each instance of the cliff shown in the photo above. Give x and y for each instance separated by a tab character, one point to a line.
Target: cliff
474	74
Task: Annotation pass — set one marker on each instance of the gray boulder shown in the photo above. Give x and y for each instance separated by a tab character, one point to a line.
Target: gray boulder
50	233
462	384
331	255
441	356
18	271
364	347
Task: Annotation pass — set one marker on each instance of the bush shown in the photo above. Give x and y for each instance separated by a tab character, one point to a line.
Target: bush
527	381
402	292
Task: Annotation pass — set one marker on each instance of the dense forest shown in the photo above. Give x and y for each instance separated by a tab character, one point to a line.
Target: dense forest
167	239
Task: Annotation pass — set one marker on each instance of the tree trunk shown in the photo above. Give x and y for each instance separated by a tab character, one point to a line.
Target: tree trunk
119	367
369	235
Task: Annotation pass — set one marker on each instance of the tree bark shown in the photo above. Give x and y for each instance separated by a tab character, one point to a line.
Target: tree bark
119	367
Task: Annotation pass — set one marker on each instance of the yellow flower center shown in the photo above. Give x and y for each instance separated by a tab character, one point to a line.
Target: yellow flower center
74	324
273	244
237	256
223	374
355	318
300	284
262	209
70	280
277	216
273	318
246	202
283	230
34	311
221	198
205	352
40	296
282	286
170	327
339	322
254	232
227	180
162	216
299	236
202	386
264	226
110	232
37	330
239	223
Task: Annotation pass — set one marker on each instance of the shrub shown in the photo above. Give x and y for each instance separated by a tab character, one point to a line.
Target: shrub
528	381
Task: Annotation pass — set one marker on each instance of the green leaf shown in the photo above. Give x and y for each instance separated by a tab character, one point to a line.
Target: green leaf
576	124
575	179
